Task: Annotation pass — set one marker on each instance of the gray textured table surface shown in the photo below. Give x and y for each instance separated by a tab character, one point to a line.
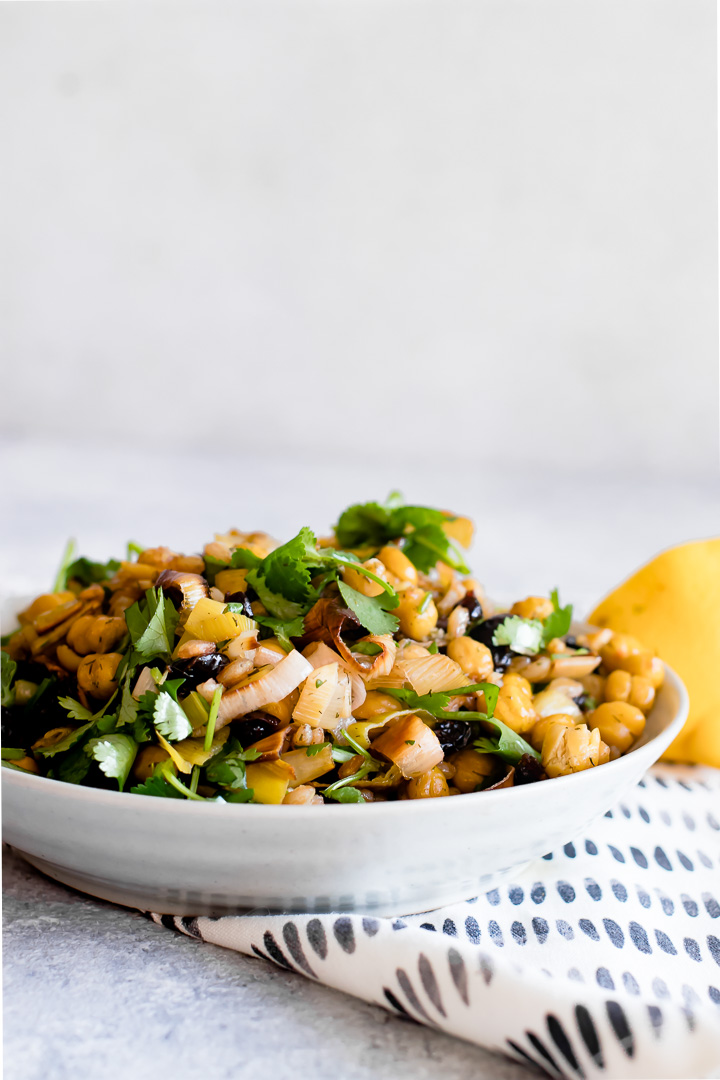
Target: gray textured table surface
95	992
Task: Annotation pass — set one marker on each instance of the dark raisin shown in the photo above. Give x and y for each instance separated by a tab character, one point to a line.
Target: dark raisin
453	735
442	623
586	702
196	670
253	727
528	770
471	602
241	598
571	641
484	631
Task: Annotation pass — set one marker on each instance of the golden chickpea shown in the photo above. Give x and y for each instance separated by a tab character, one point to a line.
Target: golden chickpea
69	659
619	724
533	607
460	529
52	737
360	582
44	603
618	685
618	649
647	667
27	763
304	795
473	657
594	685
642	693
96	674
417	613
537	734
398	564
146	760
515	703
375	705
471	769
569	749
428	785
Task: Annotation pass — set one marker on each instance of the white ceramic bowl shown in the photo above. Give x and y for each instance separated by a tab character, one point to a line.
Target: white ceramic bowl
389	858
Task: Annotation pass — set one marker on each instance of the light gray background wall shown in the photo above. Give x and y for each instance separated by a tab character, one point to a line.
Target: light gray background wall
486	227
261	259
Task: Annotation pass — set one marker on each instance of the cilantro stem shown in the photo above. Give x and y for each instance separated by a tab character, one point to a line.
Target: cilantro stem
174	782
210	729
194	779
358	566
65	562
359	775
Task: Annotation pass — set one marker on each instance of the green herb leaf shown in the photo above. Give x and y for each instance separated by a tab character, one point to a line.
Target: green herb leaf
283	630
437	703
9	753
213	567
277	604
74	709
432	648
370	610
365	648
8	668
317	748
343	795
244	559
87	572
524	636
426	545
557	624
114	754
169	718
152	625
68	741
158	787
73	767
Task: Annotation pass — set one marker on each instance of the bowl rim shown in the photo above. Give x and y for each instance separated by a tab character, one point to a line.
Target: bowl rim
120	799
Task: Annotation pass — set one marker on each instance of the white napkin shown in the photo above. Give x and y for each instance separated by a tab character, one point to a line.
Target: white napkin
602	959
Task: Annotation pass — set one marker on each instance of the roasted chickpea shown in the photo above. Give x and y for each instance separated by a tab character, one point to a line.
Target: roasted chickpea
146	760
537	734
304	795
618	685
619	724
96	634
533	607
618	649
69	659
52	737
417	613
647	667
27	763
375	705
568	749
96	674
428	785
515	703
642	693
594	685
471	769
473	657
460	529
360	582
41	604
398	564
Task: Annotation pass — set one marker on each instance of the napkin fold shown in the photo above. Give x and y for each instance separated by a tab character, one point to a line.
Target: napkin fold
601	959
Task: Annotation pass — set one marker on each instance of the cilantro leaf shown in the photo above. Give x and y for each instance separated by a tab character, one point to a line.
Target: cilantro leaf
557	624
74	766
426	545
365	524
169	718
277	604
213	567
283	630
74	709
244	559
524	636
114	754
87	572
9	753
8	668
158	787
287	569
311	751
437	703
343	795
152	625
370	610
70	739
239	795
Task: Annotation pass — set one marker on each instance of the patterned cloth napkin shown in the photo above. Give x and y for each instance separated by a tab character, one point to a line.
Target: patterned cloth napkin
602	959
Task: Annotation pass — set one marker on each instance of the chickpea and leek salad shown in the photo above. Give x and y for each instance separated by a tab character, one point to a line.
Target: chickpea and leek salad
365	666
